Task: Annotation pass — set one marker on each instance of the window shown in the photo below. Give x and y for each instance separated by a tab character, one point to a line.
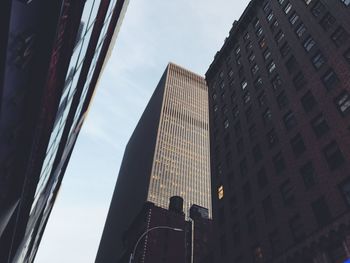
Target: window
259	32
262	43
309	43
257	154
274	26
345	190
222	85
249	46
346	2
258	83
300	30
267	116
330	79
276	82
272	138
285	49
333	155
252	132
282	100
289	120
318	9
308	101
243	167
307	2
244	84
297	228
214	96
230	73
262	99
287	192
288	8
281	2
238	50
291	64
298	145
251	57
270	16
294	18
218	170
267	54
247	192
321	211
221	192
256	23
319	125
258	254
347	56
279	37
239	61
340	36
279	163
327	21
235	112
255	69
308	174
271	67
299	81
343	103
267	7
246	97
269	211
262	178
226	124
246	36
318	60
251	224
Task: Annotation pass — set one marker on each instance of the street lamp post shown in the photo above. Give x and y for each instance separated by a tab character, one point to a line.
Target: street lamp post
145	233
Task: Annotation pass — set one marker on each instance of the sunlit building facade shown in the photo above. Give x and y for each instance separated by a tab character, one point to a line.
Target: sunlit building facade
167	155
52	55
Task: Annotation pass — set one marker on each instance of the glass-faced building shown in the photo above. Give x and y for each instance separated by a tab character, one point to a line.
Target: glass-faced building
167	155
52	55
279	107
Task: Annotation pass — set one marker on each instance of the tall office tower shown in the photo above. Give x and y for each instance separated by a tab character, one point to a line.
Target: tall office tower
51	56
279	96
167	155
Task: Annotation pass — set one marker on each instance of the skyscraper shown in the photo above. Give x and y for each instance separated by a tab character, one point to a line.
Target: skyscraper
167	155
279	98
52	54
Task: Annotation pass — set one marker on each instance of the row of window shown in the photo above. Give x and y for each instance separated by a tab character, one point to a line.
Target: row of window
319	207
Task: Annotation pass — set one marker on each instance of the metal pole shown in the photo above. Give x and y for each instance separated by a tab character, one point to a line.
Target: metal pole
131	259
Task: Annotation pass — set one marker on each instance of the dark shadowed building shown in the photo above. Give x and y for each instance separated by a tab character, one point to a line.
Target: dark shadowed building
51	56
166	245
279	96
167	155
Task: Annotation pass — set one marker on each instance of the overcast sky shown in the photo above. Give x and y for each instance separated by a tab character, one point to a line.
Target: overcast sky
154	32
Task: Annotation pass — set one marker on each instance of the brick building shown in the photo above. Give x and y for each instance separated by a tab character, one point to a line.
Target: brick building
279	96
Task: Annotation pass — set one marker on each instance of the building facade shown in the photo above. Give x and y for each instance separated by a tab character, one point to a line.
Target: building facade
52	54
279	98
191	245
170	146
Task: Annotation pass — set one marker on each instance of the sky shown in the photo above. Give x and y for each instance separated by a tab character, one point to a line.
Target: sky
153	33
